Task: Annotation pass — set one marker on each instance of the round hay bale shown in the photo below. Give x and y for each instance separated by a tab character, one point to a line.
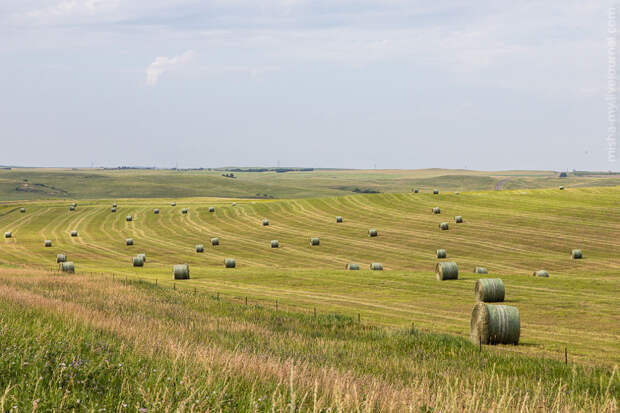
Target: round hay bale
489	290
372	233
234	204
22	210
211	209
435	191
156	211
230	263
181	272
495	324
74	233
74	205
8	234
48	243
143	256
456	193
447	271
275	243
200	248
71	208
436	210
114	205
415	191
67	266
265	222
113	209
576	254
541	273
173	203
61	258
352	267
338	219
458	219
315	241
129	241
444	226
215	241
376	266
137	261
481	270
184	211
441	253
128	218
561	188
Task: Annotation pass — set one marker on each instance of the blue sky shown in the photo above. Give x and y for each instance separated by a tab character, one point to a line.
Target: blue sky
396	84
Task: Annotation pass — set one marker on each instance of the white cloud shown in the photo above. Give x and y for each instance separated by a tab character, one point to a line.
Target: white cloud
163	64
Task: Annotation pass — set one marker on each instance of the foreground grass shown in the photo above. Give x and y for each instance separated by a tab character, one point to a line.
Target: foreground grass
92	343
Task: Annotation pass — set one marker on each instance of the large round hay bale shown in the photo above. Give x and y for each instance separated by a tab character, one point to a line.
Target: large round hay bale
436	210
275	243
184	211
446	271
481	270
441	253
489	290
181	272
8	234
71	208
372	233
352	267
376	266
113	209
265	222
541	273
215	241
211	209
137	261
22	210
435	191
48	243
200	248
458	219
61	258
67	266
143	256
315	241
495	324
230	263
444	226
173	203
338	219
576	254
128	218
74	233
129	241
156	211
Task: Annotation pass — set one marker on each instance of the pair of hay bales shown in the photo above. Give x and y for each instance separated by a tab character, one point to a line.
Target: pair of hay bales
375	266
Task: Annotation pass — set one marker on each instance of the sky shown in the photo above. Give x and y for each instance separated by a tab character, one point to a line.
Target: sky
385	84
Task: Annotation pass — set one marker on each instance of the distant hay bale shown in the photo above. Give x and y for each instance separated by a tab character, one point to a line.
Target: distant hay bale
129	241
173	203
143	256
114	205
415	191
458	219
61	258
128	218
184	211
456	193
74	233
352	267
8	234
315	241
67	266
200	248
489	290
74	205
156	211
576	254
22	210
181	272
265	222
436	210
338	219
211	209
561	188
113	209
48	243
137	261
481	270
441	253
275	243
446	271
372	233
215	241
541	273
230	263
376	266
495	324
444	226
435	191
71	208
234	204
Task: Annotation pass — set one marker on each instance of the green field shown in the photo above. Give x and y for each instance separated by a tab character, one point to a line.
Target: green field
511	232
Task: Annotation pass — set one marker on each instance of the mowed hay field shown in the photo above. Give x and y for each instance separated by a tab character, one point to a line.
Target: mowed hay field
512	233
